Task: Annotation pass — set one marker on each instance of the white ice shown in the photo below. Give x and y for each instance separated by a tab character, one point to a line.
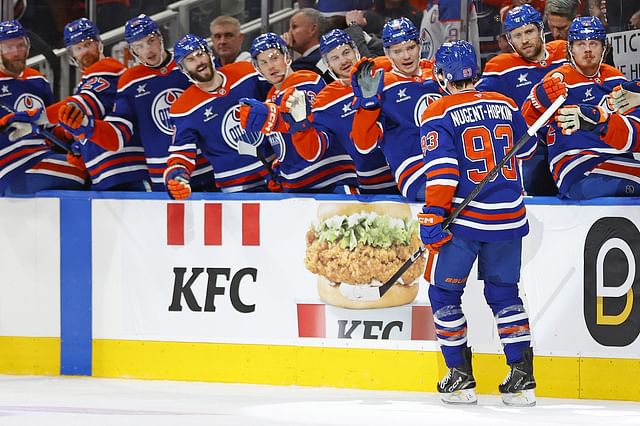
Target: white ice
68	401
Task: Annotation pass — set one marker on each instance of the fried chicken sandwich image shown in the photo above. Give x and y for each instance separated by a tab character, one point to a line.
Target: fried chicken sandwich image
354	248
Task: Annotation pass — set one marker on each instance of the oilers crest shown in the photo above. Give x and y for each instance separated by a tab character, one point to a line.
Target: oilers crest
27	101
422	104
232	131
160	109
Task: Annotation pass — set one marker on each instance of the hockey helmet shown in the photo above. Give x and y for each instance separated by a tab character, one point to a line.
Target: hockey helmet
80	30
456	61
268	41
520	16
587	28
397	31
189	44
11	29
140	27
334	39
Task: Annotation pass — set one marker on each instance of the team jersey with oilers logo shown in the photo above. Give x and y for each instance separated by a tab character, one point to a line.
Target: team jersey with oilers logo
395	127
514	76
141	114
332	121
573	156
96	93
29	90
463	136
332	166
210	122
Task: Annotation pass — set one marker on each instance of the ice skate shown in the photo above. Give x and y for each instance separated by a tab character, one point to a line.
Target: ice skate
518	388
459	386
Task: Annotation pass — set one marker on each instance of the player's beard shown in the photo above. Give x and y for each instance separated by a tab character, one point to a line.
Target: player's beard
203	75
88	59
537	50
15	66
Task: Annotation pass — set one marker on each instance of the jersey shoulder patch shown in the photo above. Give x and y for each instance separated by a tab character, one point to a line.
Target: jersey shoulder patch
191	98
106	65
330	93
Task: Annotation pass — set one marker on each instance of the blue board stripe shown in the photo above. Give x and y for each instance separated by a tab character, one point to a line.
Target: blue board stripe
75	286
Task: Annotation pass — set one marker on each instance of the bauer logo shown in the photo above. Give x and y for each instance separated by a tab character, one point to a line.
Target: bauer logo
160	109
232	131
612	281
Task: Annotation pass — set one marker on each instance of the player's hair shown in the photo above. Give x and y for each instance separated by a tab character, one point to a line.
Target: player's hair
564	8
461	84
316	18
225	20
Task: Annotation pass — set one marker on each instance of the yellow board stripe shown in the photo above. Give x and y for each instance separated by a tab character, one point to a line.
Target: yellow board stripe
30	355
377	369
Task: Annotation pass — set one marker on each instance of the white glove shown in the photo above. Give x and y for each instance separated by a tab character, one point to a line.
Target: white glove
297	105
580	117
622	99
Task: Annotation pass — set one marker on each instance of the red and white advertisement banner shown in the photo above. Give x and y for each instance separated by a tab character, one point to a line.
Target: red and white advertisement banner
30	264
257	272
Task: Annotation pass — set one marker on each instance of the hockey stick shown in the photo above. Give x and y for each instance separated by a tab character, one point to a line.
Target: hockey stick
473	194
246	148
41	131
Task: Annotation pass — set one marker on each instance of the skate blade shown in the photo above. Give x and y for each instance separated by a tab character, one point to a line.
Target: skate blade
526	398
461	397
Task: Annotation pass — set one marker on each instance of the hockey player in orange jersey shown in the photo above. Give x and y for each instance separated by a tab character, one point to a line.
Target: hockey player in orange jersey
513	75
583	166
333	116
389	105
332	169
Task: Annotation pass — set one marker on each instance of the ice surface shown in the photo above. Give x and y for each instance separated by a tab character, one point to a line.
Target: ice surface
68	401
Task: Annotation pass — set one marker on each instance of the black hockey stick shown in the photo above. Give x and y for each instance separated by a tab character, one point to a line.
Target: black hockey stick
473	194
41	131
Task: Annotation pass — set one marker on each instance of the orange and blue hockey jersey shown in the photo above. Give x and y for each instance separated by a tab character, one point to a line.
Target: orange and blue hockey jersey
622	131
141	113
463	136
571	156
395	127
514	76
332	166
31	154
210	122
96	92
332	122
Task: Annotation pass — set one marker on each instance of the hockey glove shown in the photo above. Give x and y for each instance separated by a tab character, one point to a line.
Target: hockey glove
580	117
74	120
625	97
176	179
297	110
256	116
367	85
23	123
431	232
547	91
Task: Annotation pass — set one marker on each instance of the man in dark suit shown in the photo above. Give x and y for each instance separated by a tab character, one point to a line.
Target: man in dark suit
305	29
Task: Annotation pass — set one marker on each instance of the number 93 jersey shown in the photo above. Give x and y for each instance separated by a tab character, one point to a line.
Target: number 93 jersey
463	136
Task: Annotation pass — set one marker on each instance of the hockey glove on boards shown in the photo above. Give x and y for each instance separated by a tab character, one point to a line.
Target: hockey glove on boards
297	110
76	121
431	232
256	116
625	97
176	179
367	84
547	91
580	117
21	124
